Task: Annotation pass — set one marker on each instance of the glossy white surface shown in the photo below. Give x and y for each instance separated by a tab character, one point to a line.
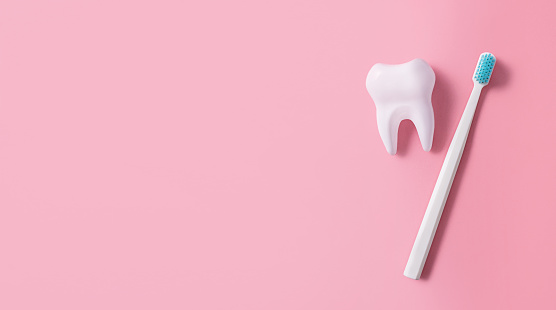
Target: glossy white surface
401	92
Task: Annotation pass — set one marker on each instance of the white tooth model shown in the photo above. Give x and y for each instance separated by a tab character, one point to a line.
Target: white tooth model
403	92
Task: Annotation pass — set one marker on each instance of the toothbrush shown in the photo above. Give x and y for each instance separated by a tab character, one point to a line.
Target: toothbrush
423	242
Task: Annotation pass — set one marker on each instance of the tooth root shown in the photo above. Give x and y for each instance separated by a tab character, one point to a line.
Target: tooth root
423	119
388	130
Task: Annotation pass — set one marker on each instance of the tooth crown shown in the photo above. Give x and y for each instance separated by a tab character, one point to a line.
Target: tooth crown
401	92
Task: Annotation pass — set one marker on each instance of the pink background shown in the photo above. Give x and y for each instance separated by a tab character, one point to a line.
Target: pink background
225	155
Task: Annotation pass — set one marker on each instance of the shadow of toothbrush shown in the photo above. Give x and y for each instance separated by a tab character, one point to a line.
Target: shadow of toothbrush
500	78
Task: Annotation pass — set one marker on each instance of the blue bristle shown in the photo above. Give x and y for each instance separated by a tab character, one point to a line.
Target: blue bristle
484	68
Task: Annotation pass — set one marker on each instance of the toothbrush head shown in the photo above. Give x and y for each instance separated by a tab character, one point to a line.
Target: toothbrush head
484	68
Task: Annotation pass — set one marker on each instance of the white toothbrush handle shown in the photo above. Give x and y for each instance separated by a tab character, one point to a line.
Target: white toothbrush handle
431	219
